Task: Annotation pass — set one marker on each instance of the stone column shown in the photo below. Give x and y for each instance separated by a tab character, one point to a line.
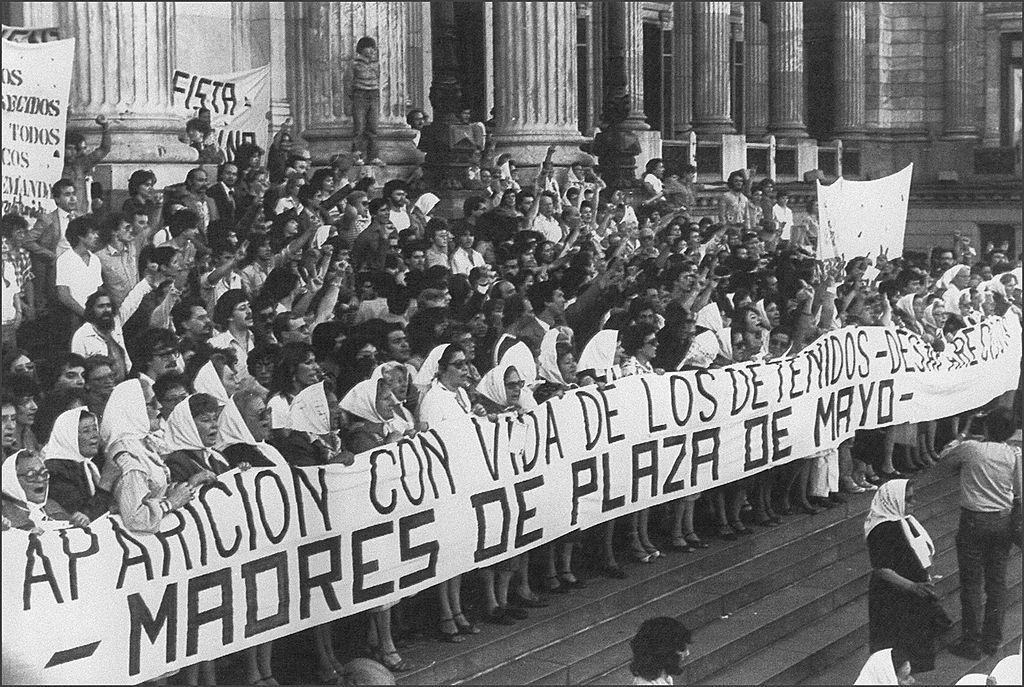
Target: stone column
960	102
280	104
124	57
712	80
327	38
535	80
633	25
786	69
682	66
755	71
851	36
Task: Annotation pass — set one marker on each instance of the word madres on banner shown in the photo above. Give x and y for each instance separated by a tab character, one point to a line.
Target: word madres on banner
857	218
238	104
268	552
36	79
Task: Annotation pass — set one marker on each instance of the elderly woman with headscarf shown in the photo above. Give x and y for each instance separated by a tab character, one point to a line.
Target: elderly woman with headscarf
421	212
602	356
74	476
193	433
902	607
556	365
446	399
954	280
143	491
314	420
25	502
378	419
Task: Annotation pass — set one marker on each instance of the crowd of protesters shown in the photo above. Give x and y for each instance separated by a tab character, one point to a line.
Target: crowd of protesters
284	313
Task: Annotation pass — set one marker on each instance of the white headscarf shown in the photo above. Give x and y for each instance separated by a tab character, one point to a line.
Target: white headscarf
763	314
599	353
878	670
426	202
492	384
63	445
233	429
890	505
12	487
703	350
428	370
309	411
125	417
906	305
183	435
361	401
548	362
949	275
710	317
501	346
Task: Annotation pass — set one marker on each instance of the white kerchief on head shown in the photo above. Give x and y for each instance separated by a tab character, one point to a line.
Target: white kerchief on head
125	416
762	312
12	487
183	435
710	317
504	342
703	350
878	670
949	275
599	353
906	305
361	400
233	429
492	384
519	354
548	361
208	381
428	370
309	411
63	445
890	505
426	202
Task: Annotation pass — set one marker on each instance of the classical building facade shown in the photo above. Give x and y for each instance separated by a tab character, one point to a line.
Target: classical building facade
853	88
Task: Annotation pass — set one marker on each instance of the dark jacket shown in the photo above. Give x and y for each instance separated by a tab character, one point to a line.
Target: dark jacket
69	487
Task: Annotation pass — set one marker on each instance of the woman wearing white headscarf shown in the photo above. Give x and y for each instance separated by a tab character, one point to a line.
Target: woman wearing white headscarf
314	419
25	503
74	476
603	355
902	607
886	667
954	280
143	492
193	432
378	419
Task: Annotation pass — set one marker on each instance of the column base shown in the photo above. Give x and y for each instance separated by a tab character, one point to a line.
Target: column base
789	130
142	140
714	127
960	135
394	144
849	134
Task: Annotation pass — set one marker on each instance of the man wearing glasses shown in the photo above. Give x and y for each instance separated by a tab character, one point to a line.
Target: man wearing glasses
157	354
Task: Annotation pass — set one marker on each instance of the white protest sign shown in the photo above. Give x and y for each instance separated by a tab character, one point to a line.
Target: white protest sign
856	218
238	104
34	99
265	553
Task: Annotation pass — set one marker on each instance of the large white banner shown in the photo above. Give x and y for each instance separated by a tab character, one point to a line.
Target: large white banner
862	217
34	102
238	104
265	553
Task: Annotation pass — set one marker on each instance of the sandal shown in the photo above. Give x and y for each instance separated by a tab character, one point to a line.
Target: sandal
467	629
693	540
449	637
680	544
639	553
570	581
399	666
554	585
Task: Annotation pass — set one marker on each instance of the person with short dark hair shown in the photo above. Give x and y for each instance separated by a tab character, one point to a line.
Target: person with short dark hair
191	321
25	392
990	522
8	416
233	316
659	647
45	241
103	333
156	353
365	101
14	229
79	270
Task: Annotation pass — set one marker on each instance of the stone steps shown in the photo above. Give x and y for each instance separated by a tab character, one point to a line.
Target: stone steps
584	636
812	621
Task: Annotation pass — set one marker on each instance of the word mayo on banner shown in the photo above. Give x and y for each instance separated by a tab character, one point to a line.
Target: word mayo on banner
857	218
267	552
34	102
238	104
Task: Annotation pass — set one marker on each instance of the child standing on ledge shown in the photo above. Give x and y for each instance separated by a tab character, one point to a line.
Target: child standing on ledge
365	101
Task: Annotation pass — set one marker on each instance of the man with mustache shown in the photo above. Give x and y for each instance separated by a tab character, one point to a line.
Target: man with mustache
102	334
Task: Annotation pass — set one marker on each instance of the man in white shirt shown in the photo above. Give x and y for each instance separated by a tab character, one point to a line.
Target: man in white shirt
464	258
394	193
782	214
79	271
233	316
103	334
546	222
